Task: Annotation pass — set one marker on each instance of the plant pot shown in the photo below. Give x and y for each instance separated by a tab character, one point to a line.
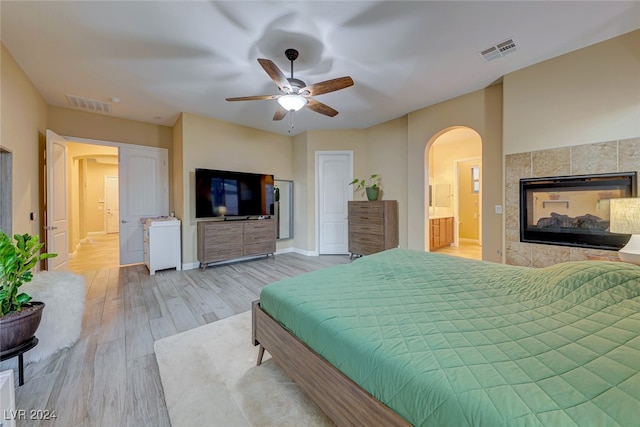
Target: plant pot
19	326
372	193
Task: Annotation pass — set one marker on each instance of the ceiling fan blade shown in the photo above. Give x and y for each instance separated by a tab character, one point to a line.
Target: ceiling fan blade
328	86
276	75
254	98
321	108
280	113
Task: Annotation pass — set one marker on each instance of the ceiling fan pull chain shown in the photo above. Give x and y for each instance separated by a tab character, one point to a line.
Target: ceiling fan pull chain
290	122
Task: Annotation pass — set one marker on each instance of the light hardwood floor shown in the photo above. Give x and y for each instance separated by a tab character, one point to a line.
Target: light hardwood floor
110	376
99	251
465	250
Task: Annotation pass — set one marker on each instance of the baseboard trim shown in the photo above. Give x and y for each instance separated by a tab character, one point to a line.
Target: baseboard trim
305	253
190	265
476	241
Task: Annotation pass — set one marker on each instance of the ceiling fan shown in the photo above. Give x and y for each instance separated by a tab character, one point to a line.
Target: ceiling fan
295	93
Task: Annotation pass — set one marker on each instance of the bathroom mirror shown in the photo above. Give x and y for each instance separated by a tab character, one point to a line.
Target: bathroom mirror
284	209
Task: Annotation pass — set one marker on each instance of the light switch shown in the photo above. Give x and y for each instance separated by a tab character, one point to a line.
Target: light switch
498	209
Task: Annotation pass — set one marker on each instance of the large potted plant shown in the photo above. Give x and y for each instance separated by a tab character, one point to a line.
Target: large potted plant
19	316
370	185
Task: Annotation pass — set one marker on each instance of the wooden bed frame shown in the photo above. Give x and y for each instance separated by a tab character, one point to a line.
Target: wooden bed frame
345	402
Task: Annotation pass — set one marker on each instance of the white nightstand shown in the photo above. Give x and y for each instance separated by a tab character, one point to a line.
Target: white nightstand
162	244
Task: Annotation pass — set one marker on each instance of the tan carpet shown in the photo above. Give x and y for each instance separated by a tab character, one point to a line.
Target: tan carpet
210	378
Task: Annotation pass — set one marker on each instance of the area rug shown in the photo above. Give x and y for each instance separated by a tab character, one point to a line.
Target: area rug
63	294
209	376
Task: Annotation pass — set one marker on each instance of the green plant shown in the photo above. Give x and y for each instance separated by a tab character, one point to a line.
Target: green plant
371	182
17	259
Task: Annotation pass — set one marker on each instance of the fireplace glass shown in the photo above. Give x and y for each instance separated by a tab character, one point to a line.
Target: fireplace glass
573	210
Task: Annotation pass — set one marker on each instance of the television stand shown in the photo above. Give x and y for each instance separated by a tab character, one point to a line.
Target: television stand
235	238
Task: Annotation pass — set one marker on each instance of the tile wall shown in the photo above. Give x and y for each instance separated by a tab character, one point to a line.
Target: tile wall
604	157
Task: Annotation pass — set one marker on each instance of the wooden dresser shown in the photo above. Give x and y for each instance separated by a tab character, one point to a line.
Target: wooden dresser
373	226
441	233
226	240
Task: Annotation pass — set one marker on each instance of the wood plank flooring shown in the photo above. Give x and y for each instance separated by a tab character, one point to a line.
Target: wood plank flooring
110	376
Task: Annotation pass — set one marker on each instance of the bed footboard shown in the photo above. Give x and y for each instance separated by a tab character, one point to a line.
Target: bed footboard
341	399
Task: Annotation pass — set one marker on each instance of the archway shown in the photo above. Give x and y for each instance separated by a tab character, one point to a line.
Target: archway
453	174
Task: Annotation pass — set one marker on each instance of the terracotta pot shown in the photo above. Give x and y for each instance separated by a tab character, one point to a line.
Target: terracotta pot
18	327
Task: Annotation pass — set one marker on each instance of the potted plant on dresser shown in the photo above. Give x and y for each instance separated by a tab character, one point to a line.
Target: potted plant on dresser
370	185
19	316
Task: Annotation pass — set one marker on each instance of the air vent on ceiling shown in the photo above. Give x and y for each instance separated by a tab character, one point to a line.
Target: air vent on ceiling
499	50
88	104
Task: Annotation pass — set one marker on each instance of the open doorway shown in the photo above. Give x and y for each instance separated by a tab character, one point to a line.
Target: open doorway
453	176
93	206
75	183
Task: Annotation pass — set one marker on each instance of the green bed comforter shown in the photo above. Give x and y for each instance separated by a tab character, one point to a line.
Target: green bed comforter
449	341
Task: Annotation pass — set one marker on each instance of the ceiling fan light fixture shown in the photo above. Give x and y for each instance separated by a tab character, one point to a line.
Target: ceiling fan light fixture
292	102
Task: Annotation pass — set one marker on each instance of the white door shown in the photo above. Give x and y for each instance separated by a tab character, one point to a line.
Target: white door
334	171
56	210
143	175
112	204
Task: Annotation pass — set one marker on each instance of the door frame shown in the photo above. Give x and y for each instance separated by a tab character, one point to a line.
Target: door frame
118	145
349	153
51	221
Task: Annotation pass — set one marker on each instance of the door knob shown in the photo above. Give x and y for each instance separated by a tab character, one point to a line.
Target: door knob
124	221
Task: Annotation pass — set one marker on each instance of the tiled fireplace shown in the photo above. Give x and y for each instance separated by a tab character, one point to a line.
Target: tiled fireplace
611	158
573	210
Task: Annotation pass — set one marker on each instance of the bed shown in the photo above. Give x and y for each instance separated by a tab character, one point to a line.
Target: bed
406	337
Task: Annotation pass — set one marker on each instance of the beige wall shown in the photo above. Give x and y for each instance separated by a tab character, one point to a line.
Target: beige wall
587	96
336	140
300	192
23	126
81	124
214	144
101	127
573	114
386	155
482	112
380	149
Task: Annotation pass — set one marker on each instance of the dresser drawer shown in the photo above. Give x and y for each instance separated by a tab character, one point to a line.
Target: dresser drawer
366	228
222	233
364	247
366	211
221	252
260	248
373	226
259	231
372	239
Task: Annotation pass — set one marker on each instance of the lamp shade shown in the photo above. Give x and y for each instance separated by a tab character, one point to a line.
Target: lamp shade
292	102
625	216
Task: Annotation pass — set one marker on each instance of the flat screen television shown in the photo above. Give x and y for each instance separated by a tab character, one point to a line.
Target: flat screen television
233	194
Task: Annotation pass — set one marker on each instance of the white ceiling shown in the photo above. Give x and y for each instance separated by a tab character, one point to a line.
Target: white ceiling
161	58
